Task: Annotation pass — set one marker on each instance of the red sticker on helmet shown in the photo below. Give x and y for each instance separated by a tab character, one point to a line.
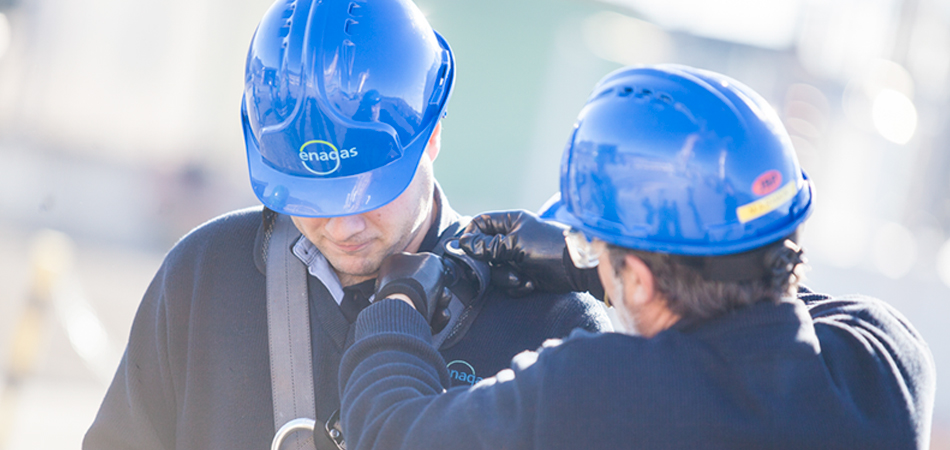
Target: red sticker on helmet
767	182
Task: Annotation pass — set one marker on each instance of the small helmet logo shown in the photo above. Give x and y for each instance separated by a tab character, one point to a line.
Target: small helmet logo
767	182
318	155
322	157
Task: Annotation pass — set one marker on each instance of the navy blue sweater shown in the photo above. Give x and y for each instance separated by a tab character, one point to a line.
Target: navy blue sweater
196	373
809	373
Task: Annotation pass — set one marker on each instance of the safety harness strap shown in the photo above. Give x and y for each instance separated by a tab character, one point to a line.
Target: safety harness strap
288	329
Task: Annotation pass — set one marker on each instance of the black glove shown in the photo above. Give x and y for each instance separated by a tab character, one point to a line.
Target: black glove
424	279
527	254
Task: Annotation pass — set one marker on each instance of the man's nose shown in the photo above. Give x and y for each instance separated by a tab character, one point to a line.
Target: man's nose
342	229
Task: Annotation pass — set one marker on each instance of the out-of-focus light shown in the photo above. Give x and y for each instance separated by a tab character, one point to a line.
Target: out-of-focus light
838	238
943	263
52	254
625	40
928	55
895	116
806	118
770	24
5	33
839	38
85	331
894	250
879	101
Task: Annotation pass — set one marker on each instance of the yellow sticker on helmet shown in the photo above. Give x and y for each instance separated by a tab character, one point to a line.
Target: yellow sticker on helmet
767	204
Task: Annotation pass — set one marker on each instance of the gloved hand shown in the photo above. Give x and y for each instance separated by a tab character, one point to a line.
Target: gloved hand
527	254
424	279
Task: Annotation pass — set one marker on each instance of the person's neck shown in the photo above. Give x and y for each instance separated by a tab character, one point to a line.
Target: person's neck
654	317
423	231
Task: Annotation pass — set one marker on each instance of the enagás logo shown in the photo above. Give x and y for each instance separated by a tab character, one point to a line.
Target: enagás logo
462	372
322	157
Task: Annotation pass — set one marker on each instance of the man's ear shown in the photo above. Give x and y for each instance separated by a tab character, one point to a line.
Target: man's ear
435	142
638	282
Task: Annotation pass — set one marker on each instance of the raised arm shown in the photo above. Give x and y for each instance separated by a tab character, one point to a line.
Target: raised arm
879	361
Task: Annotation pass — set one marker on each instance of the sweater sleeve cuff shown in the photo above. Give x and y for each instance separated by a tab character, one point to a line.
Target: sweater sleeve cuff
392	316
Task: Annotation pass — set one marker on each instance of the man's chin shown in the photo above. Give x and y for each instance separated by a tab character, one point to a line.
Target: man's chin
352	267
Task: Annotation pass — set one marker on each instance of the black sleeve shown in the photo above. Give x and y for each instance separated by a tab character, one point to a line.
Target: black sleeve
195	372
577	310
138	409
879	361
392	396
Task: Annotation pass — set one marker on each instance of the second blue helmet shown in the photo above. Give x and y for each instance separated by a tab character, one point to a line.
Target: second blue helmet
679	160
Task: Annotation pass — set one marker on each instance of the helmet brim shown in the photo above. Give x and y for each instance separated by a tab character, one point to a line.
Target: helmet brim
332	197
802	207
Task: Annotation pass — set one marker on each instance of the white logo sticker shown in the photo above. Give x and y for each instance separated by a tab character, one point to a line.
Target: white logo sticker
323	151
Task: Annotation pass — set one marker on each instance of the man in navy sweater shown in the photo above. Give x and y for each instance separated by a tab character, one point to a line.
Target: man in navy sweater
239	336
681	187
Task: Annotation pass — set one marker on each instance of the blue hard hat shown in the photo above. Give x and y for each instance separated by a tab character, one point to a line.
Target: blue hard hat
340	100
677	160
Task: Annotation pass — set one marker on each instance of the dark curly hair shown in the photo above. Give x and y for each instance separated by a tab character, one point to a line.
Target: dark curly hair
707	286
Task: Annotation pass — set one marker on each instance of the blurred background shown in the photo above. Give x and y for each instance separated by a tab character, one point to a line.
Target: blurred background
120	131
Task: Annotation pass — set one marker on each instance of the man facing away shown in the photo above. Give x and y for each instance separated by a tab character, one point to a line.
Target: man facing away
681	187
241	332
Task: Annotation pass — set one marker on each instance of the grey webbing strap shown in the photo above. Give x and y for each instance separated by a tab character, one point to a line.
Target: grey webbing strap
288	329
456	308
